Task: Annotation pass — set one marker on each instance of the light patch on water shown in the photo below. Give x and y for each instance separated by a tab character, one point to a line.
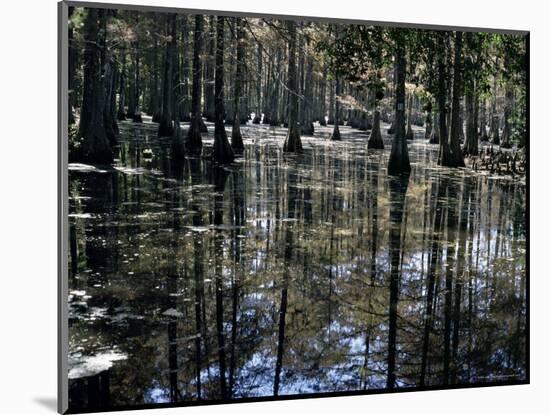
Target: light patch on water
86	168
81	215
83	366
172	313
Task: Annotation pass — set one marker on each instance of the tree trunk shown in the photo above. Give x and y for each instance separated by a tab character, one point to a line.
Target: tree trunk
121	113
307	95
444	150
494	131
471	145
429	121
72	69
457	159
166	127
483	122
293	143
109	78
186	100
135	111
209	104
508	100
222	151
337	91
95	145
194	139
154	107
434	136
331	104
236	135
375	138
259	69
399	156
322	98
109	119
409	134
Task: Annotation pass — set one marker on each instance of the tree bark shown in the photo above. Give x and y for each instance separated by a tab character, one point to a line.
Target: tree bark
222	151
444	149
375	138
337	91
409	134
209	97
306	121
72	68
194	139
166	128
471	145
506	140
457	159
95	145
121	113
236	135
399	156
293	143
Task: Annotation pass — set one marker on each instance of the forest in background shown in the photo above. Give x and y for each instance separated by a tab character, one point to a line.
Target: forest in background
261	207
464	88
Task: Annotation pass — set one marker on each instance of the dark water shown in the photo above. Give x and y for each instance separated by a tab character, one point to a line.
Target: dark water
285	275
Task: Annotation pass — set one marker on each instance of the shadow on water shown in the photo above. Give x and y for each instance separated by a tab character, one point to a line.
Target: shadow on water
281	275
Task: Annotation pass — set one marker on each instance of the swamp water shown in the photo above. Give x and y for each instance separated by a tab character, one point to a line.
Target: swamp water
283	275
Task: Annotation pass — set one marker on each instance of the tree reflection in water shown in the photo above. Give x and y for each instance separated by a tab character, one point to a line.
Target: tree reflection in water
282	275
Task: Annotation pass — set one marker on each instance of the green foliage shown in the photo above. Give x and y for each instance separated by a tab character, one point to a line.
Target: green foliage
519	119
74	140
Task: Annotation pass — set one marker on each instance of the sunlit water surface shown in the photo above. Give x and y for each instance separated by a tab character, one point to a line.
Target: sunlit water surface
283	275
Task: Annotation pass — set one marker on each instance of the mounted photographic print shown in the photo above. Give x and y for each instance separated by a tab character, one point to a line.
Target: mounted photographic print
257	207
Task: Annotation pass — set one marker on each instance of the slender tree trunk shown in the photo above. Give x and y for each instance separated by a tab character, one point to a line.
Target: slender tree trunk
186	99
307	94
444	149
194	139
154	108
121	113
494	127
259	70
429	121
209	104
136	92
236	135
331	103
399	156
471	146
336	131
293	143
109	119
483	122
409	135
222	151
72	68
506	141
457	159
109	78
166	128
95	145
